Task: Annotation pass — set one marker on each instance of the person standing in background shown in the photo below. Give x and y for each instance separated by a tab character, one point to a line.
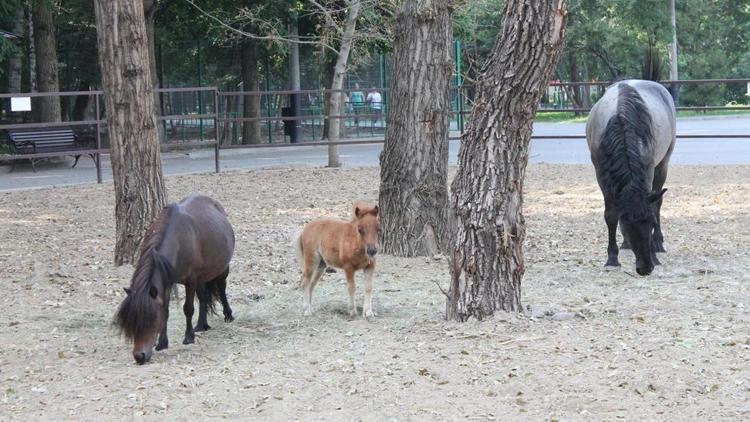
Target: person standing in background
357	101
376	104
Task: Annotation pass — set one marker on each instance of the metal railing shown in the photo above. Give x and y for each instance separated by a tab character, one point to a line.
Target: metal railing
208	109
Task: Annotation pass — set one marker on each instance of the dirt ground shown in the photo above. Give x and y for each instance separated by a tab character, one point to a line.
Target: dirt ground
593	345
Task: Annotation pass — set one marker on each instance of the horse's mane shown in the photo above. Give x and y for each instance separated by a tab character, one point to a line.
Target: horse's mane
137	312
623	164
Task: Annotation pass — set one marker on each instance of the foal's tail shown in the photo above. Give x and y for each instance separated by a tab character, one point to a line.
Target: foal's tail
297	245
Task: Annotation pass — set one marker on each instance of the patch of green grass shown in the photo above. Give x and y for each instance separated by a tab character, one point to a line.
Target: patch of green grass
560	117
570	117
728	112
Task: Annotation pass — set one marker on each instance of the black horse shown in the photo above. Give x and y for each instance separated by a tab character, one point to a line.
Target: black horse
631	135
190	243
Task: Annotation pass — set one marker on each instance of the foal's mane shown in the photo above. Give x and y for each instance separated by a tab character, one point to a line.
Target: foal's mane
137	312
624	166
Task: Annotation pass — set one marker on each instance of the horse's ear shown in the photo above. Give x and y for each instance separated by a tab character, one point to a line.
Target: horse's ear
656	195
153	292
127	290
357	212
376	210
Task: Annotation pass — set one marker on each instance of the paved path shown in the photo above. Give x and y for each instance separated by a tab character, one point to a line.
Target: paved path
687	151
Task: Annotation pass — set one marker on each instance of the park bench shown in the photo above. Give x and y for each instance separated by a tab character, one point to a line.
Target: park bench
46	140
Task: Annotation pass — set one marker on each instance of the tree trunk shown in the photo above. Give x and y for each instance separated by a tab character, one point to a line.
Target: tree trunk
15	61
294	78
45	45
131	123
350	25
251	82
414	163
228	127
487	262
149	13
32	51
81	102
329	68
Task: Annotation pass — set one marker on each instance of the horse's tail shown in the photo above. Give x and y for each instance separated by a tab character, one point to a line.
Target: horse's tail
212	291
626	136
299	252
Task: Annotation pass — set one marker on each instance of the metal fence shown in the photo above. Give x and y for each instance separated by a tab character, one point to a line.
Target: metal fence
205	117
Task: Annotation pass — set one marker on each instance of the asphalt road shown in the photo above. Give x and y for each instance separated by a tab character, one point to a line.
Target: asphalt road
687	151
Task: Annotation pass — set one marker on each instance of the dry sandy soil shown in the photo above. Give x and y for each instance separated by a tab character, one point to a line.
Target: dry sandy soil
593	345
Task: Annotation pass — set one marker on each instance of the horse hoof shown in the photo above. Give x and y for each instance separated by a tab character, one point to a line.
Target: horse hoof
611	265
162	346
228	318
626	245
188	340
204	327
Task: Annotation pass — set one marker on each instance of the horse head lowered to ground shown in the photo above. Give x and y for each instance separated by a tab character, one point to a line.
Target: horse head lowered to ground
190	243
631	134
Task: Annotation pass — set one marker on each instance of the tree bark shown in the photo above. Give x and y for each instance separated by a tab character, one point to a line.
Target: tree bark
329	68
414	163
45	45
149	13
15	61
228	127
487	261
350	25
294	77
32	51
251	82
131	123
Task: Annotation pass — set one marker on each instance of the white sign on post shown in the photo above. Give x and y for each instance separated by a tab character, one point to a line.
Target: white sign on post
20	104
748	89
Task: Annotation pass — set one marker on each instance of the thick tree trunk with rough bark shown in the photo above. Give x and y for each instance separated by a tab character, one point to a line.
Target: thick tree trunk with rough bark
131	122
487	261
350	25
149	13
414	163
251	82
47	109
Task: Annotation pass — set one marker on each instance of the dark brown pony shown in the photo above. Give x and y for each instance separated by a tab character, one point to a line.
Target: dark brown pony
190	243
349	245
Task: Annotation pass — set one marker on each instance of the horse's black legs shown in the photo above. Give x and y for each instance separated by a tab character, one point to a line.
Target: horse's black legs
222	286
163	339
204	297
610	217
660	176
189	309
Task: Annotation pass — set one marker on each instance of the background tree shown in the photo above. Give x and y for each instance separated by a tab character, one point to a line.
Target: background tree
14	17
131	122
45	46
487	261
337	83
414	163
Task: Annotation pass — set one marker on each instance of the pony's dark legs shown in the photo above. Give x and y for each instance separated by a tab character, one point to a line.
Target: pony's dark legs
610	217
163	339
204	297
660	176
222	286
625	241
189	308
